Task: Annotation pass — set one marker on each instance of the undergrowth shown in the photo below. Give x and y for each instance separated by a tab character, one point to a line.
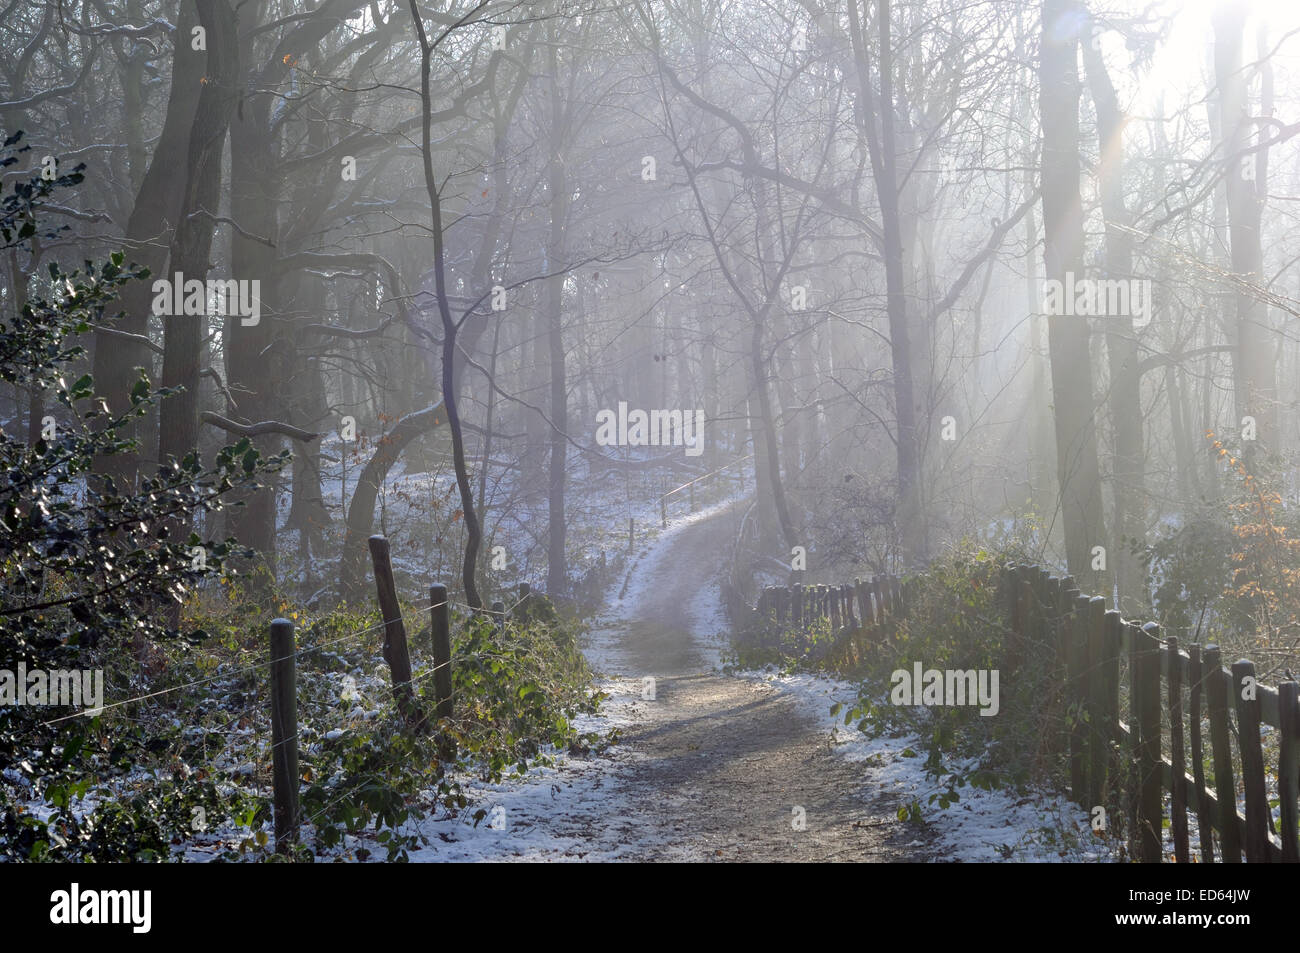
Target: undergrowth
188	769
953	621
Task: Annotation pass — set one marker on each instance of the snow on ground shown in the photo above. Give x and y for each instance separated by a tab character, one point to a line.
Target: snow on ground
418	504
577	809
984	825
711	625
603	645
581	808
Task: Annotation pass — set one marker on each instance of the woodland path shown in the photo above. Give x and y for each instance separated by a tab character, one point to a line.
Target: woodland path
712	767
722	760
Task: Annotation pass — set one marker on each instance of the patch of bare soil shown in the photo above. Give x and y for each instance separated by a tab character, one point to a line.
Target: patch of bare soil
720	764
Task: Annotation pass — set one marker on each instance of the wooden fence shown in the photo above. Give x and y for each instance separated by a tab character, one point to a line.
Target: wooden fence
1175	698
690	485
858	611
284	654
1140	710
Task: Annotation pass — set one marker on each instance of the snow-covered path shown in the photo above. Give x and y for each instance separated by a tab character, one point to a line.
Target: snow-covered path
711	767
725	767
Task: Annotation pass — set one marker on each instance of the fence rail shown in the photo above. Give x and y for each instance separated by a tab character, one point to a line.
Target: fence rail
1047	610
1183	710
689	486
396	652
856	611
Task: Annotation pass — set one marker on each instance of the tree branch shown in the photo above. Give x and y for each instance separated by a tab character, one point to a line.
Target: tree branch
258	429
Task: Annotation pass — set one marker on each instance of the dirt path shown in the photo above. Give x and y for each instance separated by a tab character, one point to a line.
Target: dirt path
714	766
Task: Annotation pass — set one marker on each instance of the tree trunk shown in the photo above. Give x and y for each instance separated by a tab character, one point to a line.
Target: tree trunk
1255	385
884	171
254	201
1129	515
183	334
1078	471
155	213
361	511
558	186
473	533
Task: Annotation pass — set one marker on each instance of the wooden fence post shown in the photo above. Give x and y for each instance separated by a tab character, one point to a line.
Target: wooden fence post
1040	613
1252	761
440	631
1150	824
1225	789
1053	605
1178	769
1013	638
1074	636
1112	649
1195	691
284	734
1098	739
396	653
1048	618
1134	632
525	599
1288	768
1010	604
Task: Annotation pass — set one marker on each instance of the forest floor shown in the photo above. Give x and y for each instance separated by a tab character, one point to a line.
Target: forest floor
732	766
725	763
713	767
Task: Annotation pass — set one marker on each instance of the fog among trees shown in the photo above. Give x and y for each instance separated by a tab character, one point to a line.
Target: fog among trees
519	286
